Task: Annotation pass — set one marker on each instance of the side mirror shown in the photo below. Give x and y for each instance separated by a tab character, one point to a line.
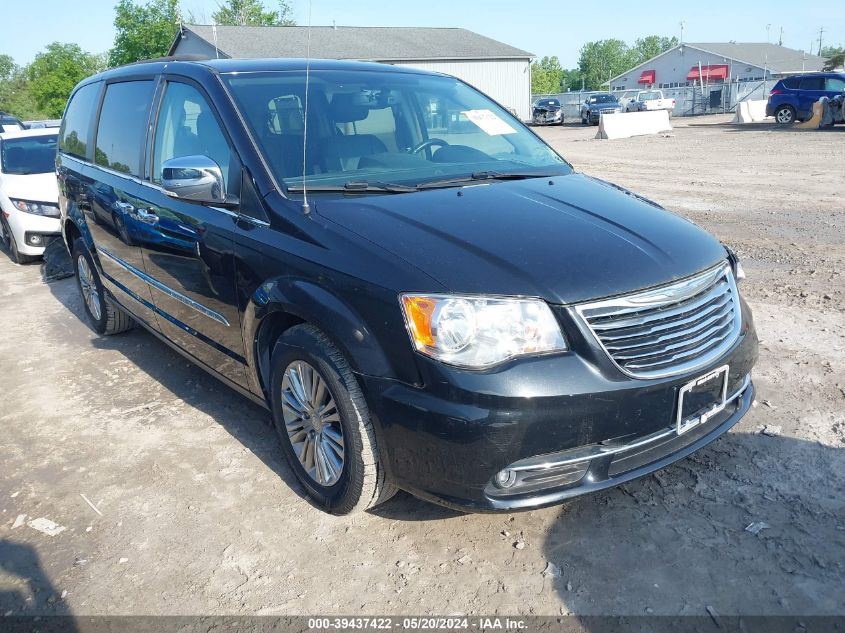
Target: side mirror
193	178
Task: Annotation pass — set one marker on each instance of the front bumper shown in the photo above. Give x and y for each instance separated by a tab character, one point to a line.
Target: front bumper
445	441
25	227
554	119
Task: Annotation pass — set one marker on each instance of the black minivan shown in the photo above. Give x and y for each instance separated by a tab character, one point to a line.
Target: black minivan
424	294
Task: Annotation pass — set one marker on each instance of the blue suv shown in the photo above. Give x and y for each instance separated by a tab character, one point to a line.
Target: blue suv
792	98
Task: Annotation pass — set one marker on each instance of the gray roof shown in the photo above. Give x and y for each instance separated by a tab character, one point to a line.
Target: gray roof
778	59
372	43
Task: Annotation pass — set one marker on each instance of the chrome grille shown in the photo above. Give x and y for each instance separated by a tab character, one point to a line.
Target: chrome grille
671	329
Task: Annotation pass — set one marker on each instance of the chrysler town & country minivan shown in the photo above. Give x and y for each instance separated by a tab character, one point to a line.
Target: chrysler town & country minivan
424	294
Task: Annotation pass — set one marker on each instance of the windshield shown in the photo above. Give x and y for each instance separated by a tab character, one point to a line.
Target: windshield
29	155
603	99
400	128
548	102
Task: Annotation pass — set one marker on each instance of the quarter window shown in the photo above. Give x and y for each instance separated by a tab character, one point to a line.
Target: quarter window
123	126
187	127
76	125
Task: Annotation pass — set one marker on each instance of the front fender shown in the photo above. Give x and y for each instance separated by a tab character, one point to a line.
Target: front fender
357	330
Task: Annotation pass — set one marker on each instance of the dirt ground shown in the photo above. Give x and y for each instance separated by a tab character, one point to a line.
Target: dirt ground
197	513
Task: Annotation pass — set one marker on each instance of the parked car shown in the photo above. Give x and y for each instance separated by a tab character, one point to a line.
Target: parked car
10	123
625	98
451	311
547	112
646	100
28	193
792	98
596	105
36	125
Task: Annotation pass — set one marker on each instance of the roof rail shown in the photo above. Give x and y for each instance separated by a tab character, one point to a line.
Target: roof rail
168	58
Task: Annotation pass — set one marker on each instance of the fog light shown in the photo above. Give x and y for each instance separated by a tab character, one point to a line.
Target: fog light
35	240
505	478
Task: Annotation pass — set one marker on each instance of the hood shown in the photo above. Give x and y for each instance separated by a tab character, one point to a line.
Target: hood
547	108
34	187
570	241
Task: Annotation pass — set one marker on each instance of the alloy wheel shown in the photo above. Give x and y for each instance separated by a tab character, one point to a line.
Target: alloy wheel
89	287
784	115
312	423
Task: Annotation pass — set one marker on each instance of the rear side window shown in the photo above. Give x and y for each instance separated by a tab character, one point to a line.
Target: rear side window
123	126
76	125
835	84
791	83
812	83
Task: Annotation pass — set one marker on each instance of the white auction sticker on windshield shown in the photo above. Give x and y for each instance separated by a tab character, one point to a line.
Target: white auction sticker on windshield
489	122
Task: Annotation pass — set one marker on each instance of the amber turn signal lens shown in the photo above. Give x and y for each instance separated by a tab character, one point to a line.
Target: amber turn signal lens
419	311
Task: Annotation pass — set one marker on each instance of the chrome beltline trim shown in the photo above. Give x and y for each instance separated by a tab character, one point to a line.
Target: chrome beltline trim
591	452
155	283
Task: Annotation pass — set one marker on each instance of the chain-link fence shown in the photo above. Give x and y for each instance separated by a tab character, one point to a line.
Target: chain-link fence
689	100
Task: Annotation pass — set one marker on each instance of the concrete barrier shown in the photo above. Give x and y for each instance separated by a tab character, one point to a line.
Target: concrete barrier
750	111
628	124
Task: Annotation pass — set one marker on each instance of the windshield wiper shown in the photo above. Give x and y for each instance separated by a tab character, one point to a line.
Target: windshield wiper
484	175
356	186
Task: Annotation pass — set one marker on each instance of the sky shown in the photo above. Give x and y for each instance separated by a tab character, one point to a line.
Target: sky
559	28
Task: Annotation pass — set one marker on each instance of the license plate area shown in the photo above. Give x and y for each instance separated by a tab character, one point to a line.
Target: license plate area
701	399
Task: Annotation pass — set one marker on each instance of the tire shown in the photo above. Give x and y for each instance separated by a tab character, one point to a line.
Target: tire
585	120
785	115
105	316
7	240
359	484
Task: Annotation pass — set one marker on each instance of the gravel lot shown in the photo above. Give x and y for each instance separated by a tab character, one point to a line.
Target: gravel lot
197	512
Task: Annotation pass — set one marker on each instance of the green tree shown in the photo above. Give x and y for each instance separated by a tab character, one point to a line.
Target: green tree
835	56
601	60
651	46
143	31
570	80
545	76
54	73
831	51
252	13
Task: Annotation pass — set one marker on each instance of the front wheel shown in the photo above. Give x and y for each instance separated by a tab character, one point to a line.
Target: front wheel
785	115
105	315
322	418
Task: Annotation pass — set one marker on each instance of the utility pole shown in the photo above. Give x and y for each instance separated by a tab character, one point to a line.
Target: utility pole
683	24
768	29
821	33
780	38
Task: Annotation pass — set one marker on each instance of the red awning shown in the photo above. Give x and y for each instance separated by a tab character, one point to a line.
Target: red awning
647	77
713	71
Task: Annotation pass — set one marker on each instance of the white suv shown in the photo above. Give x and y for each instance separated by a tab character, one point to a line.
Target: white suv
29	209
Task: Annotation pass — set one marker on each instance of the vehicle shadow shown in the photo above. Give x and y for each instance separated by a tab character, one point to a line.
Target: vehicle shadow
35	595
247	422
750	524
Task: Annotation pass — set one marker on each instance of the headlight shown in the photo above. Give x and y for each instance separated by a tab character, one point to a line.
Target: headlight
46	209
477	332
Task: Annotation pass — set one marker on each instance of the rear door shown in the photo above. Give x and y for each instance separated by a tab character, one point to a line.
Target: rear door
187	246
810	90
113	209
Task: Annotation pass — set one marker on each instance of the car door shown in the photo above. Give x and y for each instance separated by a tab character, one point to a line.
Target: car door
833	86
810	90
187	246
112	207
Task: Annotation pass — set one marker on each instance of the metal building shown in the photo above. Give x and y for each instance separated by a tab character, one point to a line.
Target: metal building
690	64
501	71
